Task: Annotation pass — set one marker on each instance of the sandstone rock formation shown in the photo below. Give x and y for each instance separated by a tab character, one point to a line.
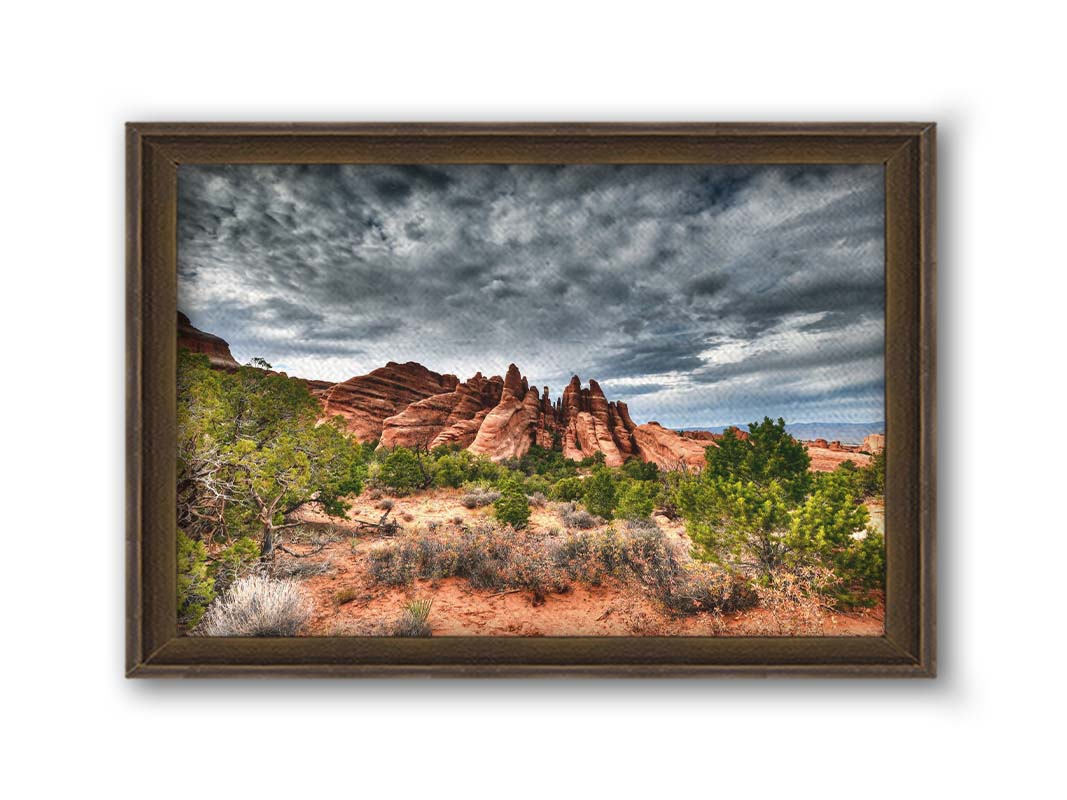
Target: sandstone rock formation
589	424
195	340
668	449
509	429
366	401
827	459
499	418
700	436
317	388
874	443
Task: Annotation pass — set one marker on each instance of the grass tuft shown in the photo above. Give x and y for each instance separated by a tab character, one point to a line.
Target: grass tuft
257	606
414	620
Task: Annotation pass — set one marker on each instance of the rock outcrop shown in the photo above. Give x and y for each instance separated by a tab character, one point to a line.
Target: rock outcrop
195	340
501	418
509	429
589	424
366	401
668	449
700	436
874	443
827	459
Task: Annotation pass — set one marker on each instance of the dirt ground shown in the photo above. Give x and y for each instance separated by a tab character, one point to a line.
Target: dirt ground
348	600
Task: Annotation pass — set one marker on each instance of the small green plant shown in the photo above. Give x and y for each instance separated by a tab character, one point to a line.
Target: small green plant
872	476
451	470
346	595
640	470
635	501
414	620
536	484
767	453
567	490
512	508
599	493
402	472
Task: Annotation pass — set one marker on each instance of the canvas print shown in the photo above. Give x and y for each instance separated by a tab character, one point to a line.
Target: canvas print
531	400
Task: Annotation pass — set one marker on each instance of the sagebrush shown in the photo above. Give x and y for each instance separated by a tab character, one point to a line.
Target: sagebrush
257	606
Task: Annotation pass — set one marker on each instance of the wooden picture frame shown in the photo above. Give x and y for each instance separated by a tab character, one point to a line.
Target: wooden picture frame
907	151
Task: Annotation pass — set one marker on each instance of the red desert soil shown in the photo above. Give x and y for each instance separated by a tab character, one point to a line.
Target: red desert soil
459	610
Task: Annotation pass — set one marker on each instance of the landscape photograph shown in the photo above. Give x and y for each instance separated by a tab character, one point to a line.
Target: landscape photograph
434	400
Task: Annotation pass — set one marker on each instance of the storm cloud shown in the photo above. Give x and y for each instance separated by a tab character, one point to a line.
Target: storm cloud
701	295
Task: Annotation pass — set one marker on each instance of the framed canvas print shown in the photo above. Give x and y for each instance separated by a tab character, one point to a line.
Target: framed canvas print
494	400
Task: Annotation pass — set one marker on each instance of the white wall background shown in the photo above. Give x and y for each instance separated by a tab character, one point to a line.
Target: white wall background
72	74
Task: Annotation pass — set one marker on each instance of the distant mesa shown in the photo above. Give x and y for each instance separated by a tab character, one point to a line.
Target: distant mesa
498	417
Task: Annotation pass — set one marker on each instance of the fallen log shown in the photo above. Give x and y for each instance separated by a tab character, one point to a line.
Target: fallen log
384	526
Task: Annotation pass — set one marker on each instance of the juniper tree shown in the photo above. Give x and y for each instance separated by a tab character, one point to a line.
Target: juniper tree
251	451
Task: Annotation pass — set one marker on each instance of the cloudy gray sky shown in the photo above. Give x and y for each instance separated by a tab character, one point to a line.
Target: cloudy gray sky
701	295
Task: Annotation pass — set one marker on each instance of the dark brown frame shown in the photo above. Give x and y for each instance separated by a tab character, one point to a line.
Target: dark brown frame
154	151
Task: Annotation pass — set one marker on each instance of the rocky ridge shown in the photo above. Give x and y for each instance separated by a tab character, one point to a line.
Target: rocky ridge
501	418
412	406
366	401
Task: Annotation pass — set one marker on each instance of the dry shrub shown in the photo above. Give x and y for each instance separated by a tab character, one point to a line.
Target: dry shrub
640	524
575	517
489	558
299	568
646	554
590	557
385	504
795	601
479	497
499	560
641	624
257	606
702	587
